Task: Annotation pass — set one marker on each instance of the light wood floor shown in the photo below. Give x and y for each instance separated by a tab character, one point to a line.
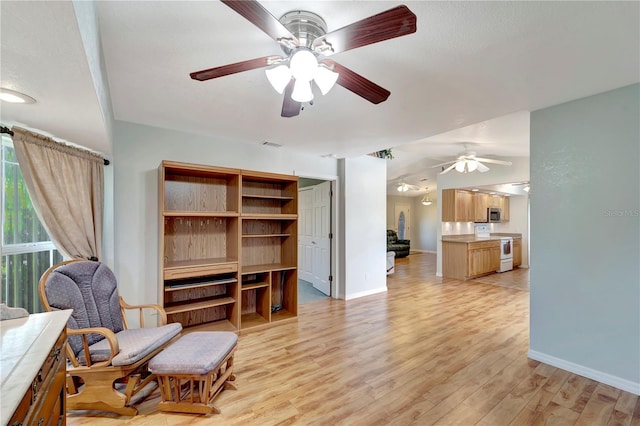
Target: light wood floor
429	351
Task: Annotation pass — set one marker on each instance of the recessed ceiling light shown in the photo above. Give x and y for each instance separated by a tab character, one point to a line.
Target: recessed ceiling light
475	190
14	97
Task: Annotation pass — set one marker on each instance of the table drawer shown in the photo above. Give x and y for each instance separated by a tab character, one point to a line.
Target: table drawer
198	271
483	244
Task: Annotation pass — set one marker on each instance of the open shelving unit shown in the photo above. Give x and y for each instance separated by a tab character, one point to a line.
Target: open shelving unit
228	246
269	246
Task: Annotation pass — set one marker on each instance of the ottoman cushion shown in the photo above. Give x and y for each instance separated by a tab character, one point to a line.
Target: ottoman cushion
194	353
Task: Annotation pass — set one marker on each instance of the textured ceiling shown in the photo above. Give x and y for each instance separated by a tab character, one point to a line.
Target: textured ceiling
468	62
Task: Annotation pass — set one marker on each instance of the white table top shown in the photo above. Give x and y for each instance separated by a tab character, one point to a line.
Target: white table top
25	344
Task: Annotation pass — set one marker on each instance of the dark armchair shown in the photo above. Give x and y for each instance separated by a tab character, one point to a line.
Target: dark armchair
401	247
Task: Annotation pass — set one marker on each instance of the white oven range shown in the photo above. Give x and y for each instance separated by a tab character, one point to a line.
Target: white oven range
506	254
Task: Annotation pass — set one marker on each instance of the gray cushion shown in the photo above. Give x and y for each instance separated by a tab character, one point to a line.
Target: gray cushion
194	353
134	344
90	289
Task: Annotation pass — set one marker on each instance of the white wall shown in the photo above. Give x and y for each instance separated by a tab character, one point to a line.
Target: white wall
517	172
585	237
138	151
87	18
363	197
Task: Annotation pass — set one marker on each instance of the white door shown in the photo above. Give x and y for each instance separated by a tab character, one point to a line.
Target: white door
321	241
314	244
305	234
402	223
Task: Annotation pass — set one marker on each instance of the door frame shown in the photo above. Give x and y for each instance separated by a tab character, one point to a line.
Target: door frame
336	287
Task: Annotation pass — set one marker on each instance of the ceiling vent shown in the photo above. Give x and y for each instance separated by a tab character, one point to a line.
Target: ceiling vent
272	144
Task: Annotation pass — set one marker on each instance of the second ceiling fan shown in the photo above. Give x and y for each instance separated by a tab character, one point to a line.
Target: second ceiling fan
303	37
467	162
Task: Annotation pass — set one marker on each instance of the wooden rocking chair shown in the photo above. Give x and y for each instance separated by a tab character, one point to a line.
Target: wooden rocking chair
106	357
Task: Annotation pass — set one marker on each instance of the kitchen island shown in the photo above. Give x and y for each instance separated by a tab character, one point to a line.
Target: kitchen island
467	256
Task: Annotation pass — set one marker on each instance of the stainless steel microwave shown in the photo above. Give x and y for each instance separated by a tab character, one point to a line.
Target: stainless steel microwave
493	214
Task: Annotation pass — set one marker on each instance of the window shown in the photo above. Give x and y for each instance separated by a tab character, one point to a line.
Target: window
27	250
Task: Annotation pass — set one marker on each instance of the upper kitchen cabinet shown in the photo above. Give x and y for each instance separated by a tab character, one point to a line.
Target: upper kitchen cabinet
505	209
457	206
480	206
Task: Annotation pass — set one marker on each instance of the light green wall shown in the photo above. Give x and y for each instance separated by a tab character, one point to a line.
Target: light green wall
585	237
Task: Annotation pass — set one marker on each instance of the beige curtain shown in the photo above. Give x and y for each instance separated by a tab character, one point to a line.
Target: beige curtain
66	186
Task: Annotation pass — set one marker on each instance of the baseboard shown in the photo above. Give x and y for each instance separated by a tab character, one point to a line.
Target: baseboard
366	293
422	251
439	274
590	373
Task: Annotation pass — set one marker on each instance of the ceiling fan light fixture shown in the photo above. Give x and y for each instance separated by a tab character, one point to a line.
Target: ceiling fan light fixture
325	78
279	77
526	188
302	91
460	166
472	165
403	187
303	64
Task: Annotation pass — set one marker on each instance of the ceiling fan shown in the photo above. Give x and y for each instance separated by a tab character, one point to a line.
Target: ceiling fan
467	162
525	185
403	186
303	37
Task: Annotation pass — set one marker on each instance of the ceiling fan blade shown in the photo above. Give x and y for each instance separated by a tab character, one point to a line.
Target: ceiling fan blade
448	169
290	108
359	85
223	70
490	160
392	23
481	167
253	12
444	164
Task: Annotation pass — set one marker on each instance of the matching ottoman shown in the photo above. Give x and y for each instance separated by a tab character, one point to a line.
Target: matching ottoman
194	369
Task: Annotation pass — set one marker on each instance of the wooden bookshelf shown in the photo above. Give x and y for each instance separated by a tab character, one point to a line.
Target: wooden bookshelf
228	246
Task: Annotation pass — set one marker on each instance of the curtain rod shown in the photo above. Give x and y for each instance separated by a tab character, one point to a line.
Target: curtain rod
7	130
4	129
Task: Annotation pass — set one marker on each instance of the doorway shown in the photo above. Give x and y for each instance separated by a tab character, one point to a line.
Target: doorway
314	239
402	224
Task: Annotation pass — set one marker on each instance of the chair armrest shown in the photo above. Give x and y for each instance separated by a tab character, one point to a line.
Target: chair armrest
161	313
114	347
403	242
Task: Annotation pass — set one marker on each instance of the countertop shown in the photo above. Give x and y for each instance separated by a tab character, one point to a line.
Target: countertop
471	238
25	344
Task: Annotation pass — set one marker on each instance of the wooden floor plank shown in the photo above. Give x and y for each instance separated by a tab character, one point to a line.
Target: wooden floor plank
429	351
600	406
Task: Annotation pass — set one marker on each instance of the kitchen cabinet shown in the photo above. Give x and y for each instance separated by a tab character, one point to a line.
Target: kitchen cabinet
517	252
505	209
483	258
464	260
480	206
457	206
